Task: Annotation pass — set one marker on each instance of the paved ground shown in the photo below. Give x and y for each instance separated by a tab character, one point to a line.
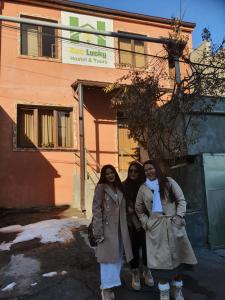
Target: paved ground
26	262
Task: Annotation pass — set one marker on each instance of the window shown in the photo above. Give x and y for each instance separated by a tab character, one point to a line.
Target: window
131	59
44	127
38	40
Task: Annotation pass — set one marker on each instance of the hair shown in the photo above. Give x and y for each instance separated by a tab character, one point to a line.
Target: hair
131	186
163	181
140	170
103	179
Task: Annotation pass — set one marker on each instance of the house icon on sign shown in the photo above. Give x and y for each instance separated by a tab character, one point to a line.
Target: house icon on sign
87	37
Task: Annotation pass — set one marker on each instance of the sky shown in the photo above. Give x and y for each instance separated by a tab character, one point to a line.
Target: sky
205	13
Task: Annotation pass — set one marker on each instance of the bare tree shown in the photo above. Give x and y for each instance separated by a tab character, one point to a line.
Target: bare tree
158	106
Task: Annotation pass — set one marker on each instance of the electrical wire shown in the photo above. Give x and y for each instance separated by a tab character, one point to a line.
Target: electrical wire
108	47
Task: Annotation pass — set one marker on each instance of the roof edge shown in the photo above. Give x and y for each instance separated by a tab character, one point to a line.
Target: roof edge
105	10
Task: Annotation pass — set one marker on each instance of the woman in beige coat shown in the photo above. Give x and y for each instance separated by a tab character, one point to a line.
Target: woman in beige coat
160	206
110	229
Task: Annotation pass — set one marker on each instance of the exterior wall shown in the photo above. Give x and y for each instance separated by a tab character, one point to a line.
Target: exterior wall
211	130
40	177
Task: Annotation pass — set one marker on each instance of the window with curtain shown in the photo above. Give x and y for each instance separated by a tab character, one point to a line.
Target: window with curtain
38	40
26	127
64	129
131	53
44	127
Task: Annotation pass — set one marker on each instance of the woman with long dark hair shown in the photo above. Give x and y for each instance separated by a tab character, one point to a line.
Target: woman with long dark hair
161	207
131	185
110	229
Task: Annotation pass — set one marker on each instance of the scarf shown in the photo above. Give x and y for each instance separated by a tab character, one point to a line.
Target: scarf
154	185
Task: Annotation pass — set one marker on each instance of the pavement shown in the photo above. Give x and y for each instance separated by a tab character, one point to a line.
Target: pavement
76	270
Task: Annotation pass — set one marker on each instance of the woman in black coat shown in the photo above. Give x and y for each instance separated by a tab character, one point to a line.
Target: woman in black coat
131	186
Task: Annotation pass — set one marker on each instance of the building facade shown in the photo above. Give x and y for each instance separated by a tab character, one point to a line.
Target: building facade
41	69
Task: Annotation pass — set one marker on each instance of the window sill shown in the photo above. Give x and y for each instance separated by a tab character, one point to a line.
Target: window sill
126	67
40	58
45	149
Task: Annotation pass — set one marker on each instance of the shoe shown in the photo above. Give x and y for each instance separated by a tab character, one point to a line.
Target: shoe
164	291
107	294
176	290
165	295
112	294
136	283
149	281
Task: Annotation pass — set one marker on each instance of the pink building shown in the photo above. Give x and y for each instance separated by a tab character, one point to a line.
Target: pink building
41	68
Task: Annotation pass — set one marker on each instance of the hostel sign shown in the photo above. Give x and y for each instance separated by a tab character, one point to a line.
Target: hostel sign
85	48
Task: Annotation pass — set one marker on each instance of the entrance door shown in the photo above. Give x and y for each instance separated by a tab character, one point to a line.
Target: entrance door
128	149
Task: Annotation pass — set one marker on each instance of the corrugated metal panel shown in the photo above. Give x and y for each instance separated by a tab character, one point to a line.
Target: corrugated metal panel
214	169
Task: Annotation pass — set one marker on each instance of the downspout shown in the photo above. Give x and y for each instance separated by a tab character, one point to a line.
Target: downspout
82	147
79	91
1	9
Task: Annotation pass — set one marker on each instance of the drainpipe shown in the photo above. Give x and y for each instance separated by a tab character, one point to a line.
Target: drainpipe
82	147
177	70
1	9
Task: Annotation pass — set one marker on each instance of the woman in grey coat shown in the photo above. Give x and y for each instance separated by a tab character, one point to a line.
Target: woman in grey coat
160	206
110	229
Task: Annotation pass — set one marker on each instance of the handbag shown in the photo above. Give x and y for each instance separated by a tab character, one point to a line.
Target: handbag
91	238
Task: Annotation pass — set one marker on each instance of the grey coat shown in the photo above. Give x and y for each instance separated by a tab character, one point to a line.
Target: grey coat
110	221
167	242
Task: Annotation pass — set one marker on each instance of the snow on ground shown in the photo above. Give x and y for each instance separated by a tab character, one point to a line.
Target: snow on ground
9	287
22	270
48	231
50	274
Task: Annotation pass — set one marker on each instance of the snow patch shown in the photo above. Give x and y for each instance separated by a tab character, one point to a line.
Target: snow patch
33	284
48	231
12	228
9	287
21	269
50	274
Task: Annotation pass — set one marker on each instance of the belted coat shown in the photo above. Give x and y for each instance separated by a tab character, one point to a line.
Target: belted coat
167	242
110	221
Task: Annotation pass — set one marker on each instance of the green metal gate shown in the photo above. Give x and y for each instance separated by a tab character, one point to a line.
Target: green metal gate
214	171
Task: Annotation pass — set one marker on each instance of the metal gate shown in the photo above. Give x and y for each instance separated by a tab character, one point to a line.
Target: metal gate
214	171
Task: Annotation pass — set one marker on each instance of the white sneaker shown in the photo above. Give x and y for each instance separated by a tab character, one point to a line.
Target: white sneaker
149	281
107	294
136	283
176	290
164	291
165	295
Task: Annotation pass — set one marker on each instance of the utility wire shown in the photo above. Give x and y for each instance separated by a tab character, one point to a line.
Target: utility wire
108	47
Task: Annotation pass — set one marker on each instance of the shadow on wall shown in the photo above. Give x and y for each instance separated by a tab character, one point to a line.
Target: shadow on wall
26	176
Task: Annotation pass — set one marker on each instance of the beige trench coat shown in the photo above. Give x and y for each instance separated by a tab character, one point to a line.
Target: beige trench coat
109	220
167	242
